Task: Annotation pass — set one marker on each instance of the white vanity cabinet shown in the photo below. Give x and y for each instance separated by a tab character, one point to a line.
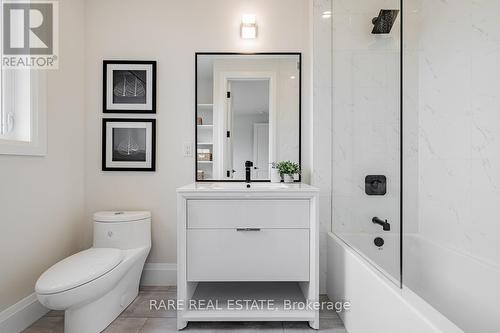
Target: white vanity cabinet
238	243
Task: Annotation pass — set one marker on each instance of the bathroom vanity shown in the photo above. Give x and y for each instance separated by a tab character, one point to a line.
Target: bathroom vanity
247	254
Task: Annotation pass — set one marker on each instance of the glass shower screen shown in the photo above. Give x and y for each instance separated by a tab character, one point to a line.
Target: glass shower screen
367	130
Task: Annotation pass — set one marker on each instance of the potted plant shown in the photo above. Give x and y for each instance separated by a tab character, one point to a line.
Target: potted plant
287	170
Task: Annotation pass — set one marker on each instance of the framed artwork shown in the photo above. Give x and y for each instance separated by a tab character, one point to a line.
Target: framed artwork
128	144
129	86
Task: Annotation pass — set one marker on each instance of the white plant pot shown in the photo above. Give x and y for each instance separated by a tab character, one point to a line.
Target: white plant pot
275	176
288	178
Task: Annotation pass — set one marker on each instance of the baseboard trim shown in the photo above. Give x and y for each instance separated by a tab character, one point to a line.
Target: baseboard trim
159	274
21	315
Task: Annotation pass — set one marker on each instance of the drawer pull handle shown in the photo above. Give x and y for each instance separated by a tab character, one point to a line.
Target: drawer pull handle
247	229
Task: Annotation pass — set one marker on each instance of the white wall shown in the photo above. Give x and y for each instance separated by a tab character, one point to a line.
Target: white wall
171	32
42	198
47	202
250	96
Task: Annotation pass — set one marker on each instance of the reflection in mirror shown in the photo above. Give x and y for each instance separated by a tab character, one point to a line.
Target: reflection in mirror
247	109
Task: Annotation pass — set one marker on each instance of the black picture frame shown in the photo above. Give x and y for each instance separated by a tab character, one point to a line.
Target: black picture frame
105	87
197	54
105	143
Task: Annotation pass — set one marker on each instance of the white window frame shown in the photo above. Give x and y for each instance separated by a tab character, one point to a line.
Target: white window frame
37	146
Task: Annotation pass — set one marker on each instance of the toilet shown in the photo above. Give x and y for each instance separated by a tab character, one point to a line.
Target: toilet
94	286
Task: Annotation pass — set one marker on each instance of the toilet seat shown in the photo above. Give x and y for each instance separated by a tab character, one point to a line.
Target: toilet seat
78	270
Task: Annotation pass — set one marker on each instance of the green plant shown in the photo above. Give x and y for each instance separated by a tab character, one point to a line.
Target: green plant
288	168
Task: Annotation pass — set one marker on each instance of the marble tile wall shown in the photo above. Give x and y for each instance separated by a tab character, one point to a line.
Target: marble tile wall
451	123
322	132
366	120
322	106
459	124
366	115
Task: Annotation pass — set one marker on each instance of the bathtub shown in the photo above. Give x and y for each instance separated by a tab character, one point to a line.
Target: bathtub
464	291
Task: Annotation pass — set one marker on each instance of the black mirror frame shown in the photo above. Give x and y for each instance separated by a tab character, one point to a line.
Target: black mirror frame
299	54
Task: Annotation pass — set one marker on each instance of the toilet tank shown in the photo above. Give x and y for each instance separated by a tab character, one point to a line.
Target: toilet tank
122	229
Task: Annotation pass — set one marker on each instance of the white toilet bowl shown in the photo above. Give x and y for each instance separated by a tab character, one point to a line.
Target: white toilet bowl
94	286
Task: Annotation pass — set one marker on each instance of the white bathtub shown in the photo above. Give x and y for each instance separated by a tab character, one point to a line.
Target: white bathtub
462	288
385	258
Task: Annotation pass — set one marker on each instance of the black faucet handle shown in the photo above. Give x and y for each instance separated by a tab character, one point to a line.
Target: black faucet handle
248	172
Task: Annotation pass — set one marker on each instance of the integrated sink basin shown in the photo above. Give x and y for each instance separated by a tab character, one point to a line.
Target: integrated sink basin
241	186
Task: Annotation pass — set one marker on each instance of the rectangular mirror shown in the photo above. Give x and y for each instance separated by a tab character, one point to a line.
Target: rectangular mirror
247	109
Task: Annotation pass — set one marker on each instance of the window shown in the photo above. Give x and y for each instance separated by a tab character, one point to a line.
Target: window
22	112
22	109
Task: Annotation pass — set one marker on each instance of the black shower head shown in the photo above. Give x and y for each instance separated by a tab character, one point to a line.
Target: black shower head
384	22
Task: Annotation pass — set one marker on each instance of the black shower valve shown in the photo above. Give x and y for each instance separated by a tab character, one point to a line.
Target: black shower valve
376	185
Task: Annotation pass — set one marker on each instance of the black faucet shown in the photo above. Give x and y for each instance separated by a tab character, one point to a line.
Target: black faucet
385	225
248	173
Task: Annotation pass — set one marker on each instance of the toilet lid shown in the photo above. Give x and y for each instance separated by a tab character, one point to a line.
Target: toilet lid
78	269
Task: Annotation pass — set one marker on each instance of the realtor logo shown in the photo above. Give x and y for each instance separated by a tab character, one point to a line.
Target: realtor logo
29	37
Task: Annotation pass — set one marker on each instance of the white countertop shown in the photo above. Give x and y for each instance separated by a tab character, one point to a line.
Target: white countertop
242	187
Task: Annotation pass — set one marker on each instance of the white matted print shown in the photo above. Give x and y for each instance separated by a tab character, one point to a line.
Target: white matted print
128	144
129	86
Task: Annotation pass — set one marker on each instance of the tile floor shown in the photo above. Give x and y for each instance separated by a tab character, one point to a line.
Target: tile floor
138	318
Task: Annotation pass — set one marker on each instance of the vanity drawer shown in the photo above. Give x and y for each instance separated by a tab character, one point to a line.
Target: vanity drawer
264	255
248	213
